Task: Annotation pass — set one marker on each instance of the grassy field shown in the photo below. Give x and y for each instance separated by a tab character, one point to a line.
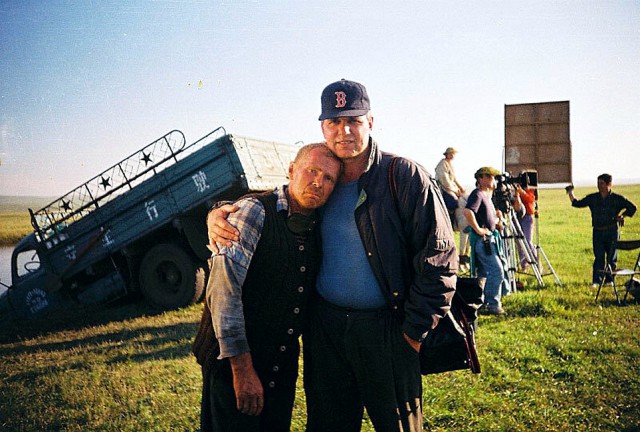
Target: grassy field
557	362
14	217
13	227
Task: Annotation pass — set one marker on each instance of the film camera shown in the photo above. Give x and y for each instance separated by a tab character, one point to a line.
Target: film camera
527	178
505	192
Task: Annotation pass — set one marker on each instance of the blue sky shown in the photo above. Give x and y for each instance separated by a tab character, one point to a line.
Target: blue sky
86	83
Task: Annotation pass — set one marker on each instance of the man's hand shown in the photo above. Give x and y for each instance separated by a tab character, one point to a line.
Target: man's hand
572	197
473	223
483	232
247	385
500	223
218	229
414	343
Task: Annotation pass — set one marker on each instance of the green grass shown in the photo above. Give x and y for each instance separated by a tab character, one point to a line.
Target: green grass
14	217
557	362
13	227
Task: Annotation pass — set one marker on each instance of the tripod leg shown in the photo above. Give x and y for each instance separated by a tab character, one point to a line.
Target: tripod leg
525	248
535	268
508	256
544	255
541	251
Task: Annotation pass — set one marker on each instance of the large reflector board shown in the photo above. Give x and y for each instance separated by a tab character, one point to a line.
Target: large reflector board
536	137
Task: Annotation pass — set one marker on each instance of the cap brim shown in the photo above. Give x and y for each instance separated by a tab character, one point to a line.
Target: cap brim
492	172
347	113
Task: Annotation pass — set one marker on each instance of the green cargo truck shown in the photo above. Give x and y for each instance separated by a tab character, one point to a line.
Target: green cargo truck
138	226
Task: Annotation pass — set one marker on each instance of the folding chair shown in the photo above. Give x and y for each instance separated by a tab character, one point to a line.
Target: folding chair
629	285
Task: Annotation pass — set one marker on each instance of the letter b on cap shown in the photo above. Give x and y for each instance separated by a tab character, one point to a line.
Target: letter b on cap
341	99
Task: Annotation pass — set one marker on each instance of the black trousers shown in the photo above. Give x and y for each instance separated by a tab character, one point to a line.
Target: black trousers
220	414
604	251
355	360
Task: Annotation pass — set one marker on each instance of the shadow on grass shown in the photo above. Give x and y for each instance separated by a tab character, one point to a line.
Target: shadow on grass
557	301
123	345
146	344
139	345
75	319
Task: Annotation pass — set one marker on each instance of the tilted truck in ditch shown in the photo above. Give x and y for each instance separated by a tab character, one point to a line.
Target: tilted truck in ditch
139	226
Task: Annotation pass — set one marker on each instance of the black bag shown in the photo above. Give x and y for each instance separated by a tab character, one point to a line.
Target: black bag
452	345
633	288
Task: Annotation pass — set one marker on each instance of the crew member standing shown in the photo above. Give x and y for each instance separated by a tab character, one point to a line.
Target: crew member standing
608	209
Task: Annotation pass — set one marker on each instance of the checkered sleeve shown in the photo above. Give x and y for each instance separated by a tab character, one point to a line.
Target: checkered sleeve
228	273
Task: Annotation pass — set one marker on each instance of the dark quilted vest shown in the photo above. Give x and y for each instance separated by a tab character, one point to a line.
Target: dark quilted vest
279	281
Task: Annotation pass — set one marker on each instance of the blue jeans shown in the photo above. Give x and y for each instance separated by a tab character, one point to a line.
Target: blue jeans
604	243
490	267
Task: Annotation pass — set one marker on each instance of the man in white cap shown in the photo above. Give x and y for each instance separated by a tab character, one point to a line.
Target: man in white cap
446	178
453	194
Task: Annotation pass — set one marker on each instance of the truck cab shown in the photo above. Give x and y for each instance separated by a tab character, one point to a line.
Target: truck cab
27	295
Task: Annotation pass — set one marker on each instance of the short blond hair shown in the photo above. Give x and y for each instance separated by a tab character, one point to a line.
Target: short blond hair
326	151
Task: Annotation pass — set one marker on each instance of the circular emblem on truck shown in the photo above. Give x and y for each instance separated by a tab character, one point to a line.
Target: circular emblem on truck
36	300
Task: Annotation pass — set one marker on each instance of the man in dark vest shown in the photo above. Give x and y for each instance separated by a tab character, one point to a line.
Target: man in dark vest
256	297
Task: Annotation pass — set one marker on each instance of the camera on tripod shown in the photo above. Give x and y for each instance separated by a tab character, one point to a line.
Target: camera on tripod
505	192
527	178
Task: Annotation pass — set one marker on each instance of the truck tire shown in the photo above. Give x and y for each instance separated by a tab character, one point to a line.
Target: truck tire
170	278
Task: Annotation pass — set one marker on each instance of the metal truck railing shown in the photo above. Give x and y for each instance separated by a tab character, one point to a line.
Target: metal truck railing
111	183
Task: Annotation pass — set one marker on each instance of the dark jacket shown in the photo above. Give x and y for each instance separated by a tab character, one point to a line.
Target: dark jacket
604	211
410	243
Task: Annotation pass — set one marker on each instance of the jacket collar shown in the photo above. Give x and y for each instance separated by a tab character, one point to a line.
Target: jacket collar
374	154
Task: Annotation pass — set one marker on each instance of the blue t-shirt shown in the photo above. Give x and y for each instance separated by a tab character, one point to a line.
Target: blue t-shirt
345	278
481	204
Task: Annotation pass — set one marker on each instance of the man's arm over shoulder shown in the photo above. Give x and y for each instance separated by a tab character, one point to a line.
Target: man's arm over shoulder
228	273
435	262
218	228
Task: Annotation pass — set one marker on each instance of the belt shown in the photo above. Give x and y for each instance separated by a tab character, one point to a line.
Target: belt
606	227
347	310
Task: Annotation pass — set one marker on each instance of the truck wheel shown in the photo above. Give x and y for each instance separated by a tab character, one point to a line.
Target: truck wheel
170	278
